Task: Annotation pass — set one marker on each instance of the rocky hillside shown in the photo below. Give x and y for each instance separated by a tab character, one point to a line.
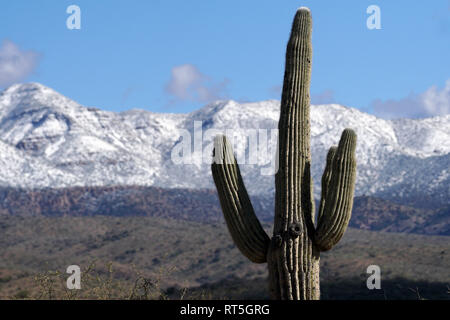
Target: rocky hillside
369	213
382	215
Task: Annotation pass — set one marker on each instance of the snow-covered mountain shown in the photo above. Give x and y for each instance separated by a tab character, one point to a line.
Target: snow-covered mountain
48	140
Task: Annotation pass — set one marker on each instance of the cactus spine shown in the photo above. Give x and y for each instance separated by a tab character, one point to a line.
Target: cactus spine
292	254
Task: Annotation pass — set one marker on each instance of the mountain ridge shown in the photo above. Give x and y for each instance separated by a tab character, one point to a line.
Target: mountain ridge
48	140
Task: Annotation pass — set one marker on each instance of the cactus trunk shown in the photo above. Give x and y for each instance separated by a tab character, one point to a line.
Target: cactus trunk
294	250
294	261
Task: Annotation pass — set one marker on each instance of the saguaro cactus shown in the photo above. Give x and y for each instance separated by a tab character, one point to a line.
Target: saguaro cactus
293	251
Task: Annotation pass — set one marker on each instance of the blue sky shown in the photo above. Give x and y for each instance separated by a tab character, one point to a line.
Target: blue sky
176	56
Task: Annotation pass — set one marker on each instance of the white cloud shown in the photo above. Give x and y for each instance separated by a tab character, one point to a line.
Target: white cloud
15	65
432	102
187	83
324	97
437	102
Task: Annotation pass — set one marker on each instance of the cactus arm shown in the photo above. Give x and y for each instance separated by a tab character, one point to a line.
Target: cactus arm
337	197
244	226
326	178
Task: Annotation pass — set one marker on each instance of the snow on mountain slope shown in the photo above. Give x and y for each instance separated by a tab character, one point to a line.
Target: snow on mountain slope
48	140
